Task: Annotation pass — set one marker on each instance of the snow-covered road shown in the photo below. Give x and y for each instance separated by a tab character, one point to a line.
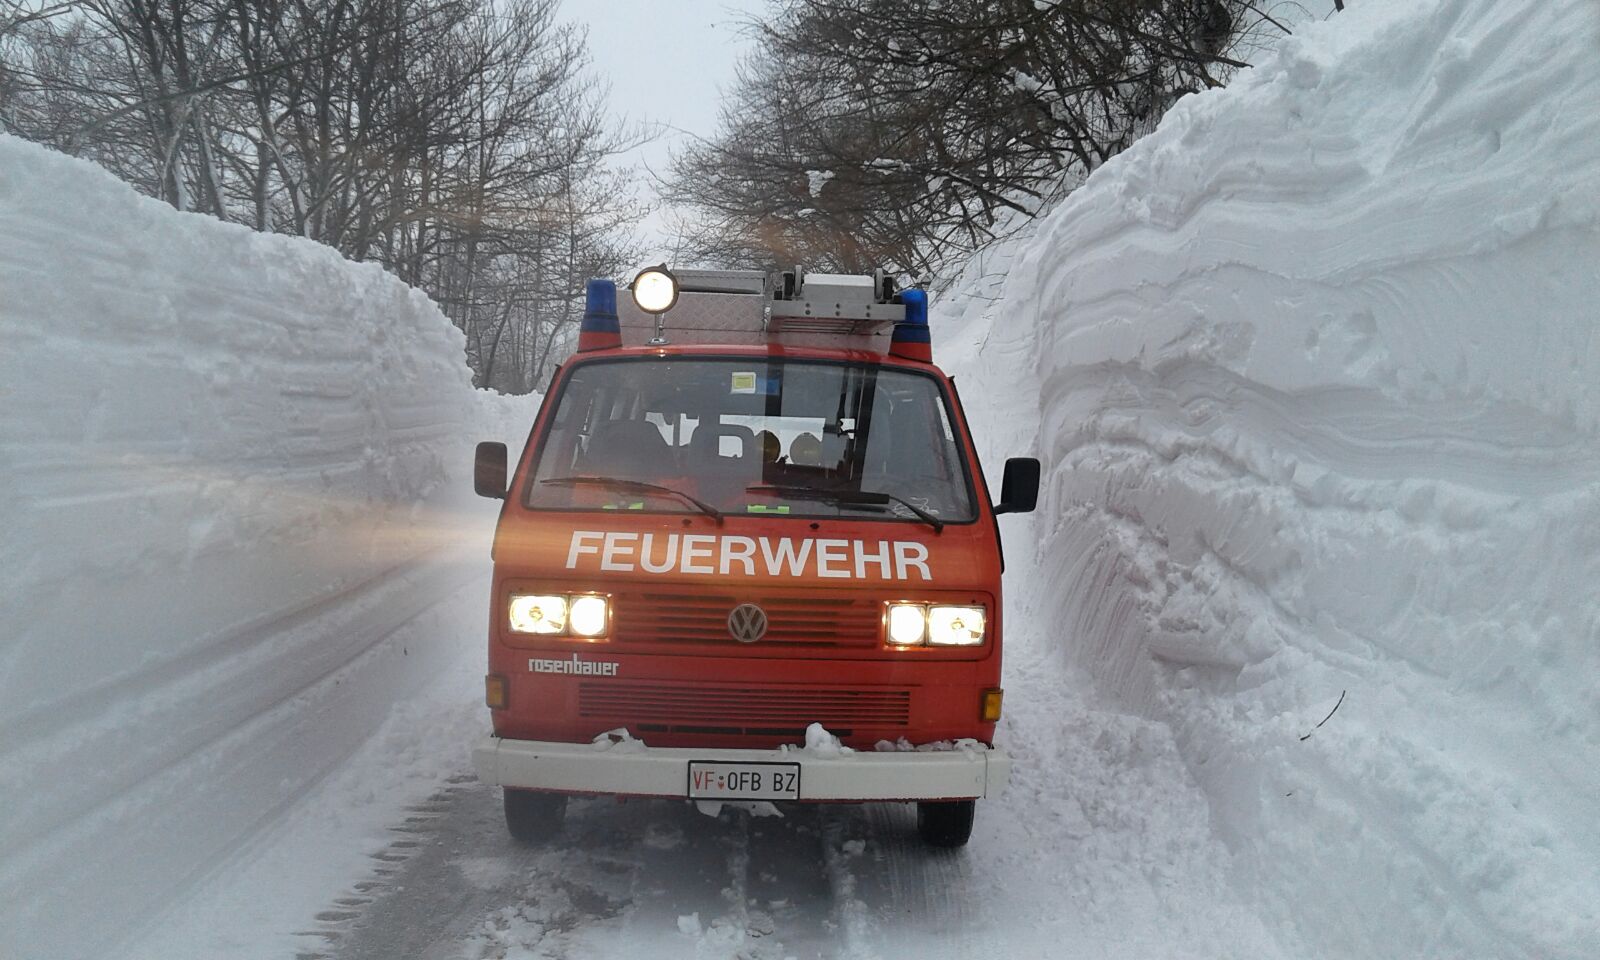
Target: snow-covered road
826	881
1101	849
653	872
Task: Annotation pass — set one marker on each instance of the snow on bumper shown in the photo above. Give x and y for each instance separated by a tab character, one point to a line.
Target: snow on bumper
634	769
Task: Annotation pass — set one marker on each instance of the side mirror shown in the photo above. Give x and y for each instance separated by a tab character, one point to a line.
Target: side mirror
489	470
1019	489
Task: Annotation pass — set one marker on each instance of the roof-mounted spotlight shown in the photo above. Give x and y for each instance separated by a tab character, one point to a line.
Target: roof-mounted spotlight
655	289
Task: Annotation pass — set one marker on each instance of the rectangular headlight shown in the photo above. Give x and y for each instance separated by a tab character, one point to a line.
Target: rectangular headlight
538	613
950	626
583	615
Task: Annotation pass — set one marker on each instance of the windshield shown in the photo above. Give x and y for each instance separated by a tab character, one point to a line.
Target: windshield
769	436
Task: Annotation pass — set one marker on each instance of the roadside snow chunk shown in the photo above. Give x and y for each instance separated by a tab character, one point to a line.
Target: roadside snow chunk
821	743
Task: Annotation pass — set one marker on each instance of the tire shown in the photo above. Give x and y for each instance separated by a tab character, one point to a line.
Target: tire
946	823
534	817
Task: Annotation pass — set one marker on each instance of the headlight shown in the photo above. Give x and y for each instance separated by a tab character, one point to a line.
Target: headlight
937	625
538	613
955	626
588	616
581	615
908	622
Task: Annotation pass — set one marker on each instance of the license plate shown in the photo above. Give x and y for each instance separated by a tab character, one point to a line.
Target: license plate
711	780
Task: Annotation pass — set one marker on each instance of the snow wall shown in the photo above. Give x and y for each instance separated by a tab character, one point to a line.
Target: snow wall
232	488
1314	379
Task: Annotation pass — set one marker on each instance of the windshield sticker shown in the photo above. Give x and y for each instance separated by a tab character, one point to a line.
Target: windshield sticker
750	382
710	554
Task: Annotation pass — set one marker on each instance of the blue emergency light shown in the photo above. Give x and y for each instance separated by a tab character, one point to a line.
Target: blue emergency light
600	329
911	339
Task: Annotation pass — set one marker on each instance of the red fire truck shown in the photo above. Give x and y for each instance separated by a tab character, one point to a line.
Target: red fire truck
748	554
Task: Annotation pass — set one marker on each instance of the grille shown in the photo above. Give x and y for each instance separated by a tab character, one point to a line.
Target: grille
794	621
711	708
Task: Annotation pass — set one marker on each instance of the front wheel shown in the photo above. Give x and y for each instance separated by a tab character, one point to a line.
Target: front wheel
534	817
946	823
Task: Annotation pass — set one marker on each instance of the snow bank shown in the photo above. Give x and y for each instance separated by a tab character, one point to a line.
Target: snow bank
230	491
1315	369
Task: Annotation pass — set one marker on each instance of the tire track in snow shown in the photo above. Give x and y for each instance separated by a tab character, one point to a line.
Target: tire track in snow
218	654
241	766
402	594
452	886
653	876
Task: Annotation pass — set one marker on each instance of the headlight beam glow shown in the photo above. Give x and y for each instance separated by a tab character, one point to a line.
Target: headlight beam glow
908	624
589	616
538	613
952	626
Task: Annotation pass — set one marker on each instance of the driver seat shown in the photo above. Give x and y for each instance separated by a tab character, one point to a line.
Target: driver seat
627	450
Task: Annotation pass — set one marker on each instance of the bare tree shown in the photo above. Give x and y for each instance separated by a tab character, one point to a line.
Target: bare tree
905	133
460	143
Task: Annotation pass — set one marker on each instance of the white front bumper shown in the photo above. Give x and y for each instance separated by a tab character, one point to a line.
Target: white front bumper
633	769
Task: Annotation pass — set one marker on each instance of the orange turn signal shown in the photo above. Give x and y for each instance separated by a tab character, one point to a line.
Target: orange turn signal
494	691
991	704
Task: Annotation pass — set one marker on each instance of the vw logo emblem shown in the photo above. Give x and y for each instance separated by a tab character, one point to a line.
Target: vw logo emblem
747	623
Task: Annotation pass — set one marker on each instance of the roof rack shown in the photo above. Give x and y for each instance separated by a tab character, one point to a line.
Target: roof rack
791	306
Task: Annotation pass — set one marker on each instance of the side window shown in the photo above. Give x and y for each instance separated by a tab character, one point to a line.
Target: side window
911	451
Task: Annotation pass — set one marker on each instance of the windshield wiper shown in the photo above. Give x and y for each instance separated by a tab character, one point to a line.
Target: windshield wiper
636	486
853	497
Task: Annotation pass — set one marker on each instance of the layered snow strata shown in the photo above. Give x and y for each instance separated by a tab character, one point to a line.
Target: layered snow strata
1315	393
225	472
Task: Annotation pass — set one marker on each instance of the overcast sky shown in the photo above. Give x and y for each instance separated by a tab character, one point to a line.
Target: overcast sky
665	61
